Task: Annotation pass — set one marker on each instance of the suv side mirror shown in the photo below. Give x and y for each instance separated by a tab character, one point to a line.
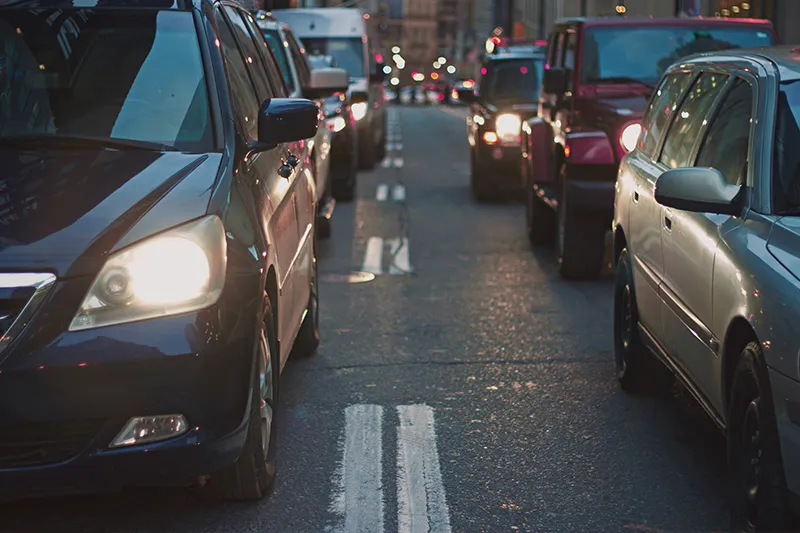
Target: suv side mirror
555	80
325	82
283	120
698	189
378	75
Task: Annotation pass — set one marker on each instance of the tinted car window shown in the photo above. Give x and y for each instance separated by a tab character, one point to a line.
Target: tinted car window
60	84
786	186
240	87
347	51
252	57
687	122
278	48
516	80
727	144
300	61
663	103
644	53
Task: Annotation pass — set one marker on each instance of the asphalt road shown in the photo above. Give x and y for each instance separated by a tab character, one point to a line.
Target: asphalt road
466	388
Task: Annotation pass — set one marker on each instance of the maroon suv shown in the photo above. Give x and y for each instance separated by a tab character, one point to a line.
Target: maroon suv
598	80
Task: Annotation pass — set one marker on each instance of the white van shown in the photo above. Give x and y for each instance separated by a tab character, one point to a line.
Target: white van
344	33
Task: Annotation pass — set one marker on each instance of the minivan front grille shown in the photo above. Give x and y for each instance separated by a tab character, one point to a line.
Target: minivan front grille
21	294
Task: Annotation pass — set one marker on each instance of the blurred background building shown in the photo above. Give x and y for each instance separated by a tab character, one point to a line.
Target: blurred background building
425	30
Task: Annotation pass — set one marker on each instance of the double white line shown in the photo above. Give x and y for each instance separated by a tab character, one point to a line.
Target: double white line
399	253
358	499
398	192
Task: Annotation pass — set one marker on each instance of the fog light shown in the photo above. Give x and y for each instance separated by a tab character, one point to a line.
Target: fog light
147	429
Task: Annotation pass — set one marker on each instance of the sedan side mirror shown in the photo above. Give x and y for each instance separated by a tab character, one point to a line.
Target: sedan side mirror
555	80
325	82
698	189
283	120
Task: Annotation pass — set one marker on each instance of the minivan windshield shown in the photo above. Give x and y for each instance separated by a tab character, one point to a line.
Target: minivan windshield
513	81
615	53
101	75
348	52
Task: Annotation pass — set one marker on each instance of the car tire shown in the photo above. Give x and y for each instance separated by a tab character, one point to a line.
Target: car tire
581	241
540	219
307	341
252	475
367	156
759	497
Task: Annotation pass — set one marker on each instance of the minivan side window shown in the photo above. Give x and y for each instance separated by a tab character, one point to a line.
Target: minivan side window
240	87
688	120
727	143
663	103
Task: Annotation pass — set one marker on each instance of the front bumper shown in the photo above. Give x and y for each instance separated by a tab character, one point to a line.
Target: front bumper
64	396
502	164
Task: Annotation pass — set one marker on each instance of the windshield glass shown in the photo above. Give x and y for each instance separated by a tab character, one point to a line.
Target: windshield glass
614	53
348	52
514	81
786	189
128	75
276	44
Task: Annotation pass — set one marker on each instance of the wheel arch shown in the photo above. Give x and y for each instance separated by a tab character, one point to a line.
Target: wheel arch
739	334
620	243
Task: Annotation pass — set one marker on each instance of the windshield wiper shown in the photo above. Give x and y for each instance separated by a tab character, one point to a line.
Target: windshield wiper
79	141
621	79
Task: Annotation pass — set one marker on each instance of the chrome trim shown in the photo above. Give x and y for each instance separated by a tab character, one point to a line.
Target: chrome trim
42	283
689	319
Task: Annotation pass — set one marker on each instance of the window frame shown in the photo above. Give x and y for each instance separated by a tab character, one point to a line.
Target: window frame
655	153
232	11
270	62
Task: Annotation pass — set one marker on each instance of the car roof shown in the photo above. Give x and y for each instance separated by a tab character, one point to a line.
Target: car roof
515	55
785	58
100	4
617	20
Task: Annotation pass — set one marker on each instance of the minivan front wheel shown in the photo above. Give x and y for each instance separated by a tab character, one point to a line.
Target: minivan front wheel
759	497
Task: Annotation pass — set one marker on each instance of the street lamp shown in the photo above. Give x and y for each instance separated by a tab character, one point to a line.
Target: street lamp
451	69
442	60
395	49
437	65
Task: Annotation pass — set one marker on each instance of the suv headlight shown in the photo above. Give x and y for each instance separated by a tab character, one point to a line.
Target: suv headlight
359	110
508	126
178	271
629	136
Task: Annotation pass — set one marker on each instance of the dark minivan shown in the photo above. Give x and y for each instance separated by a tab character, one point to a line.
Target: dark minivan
157	256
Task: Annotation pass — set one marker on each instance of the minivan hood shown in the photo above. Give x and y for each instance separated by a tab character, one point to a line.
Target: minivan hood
65	210
784	243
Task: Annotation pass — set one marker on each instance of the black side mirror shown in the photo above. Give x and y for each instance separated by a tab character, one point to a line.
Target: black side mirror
555	80
283	120
378	76
698	189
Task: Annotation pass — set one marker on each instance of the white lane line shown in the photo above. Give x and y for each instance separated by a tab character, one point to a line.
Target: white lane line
399	193
421	501
373	258
398	162
359	498
382	193
401	257
386	163
394	146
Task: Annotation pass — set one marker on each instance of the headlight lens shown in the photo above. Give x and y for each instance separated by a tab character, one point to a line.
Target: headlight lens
508	125
178	271
629	137
336	124
359	110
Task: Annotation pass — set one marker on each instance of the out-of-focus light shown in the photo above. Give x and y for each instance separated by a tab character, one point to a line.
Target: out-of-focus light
395	81
483	71
442	60
451	69
490	137
387	69
436	64
508	125
379	58
490	46
746	6
629	136
397	58
359	110
469	84
401	65
366	16
435	76
395	49
418	76
336	124
621	9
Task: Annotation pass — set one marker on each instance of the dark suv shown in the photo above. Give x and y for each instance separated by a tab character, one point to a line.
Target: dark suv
598	81
505	97
154	198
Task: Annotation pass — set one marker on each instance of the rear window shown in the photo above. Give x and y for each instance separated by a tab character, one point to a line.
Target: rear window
348	52
516	80
619	54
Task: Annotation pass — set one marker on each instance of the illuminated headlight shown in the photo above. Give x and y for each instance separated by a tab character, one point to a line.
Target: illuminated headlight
359	110
508	126
336	124
629	137
178	271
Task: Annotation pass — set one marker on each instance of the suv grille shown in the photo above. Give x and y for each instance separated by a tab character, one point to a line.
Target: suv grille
41	443
20	297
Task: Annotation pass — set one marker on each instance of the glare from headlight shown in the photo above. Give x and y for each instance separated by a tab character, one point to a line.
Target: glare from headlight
359	110
508	125
629	137
176	272
336	124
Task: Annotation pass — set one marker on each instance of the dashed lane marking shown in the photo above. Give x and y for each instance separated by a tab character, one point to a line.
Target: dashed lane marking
382	192
373	257
400	254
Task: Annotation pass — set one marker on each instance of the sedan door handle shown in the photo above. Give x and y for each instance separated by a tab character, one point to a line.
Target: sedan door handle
293	160
667	222
635	196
